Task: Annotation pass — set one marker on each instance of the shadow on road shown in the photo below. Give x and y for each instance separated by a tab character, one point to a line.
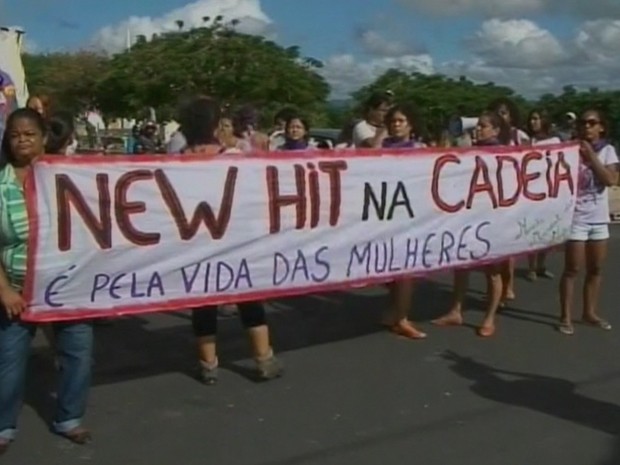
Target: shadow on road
140	347
543	394
614	458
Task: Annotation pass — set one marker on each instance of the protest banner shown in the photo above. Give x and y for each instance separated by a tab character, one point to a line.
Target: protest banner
124	235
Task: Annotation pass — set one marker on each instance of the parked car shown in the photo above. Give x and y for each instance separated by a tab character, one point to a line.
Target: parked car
324	138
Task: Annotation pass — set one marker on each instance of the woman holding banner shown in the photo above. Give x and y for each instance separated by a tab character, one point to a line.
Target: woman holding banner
491	130
589	235
539	131
508	110
200	123
24	140
402	122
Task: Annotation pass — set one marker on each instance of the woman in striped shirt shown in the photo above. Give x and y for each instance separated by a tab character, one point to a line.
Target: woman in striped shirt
24	141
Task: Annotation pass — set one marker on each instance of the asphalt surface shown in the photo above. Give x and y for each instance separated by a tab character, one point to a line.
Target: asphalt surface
352	394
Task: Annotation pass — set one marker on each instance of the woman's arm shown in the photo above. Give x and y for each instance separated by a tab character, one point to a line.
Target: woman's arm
607	174
12	301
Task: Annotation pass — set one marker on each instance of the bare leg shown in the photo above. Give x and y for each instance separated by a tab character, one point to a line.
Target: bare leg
573	261
454	317
541	266
495	291
531	271
401	297
207	352
260	342
595	253
508	279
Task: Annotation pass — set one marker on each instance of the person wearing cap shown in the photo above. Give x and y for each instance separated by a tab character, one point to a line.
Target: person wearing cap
148	139
570	127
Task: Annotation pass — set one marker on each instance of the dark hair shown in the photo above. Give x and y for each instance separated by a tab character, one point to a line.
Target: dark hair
302	120
21	113
545	122
45	103
199	120
60	133
411	113
346	133
245	116
602	117
515	116
504	137
376	100
284	114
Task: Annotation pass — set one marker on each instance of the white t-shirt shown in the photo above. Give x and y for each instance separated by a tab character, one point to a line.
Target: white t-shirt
549	141
518	137
177	143
276	139
363	131
592	205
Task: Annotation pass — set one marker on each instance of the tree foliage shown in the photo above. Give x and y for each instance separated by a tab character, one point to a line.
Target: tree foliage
213	61
439	97
238	68
70	79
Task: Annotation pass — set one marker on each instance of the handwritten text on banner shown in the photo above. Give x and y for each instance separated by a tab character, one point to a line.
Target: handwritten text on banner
112	236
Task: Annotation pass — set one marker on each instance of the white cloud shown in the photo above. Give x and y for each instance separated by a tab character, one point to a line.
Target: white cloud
504	8
530	59
514	52
346	73
517	43
253	20
599	41
484	7
30	46
375	44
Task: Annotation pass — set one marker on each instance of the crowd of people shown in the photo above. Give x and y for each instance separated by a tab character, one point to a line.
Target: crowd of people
206	129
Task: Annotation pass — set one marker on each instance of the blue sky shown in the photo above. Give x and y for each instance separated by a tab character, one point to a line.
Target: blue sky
524	43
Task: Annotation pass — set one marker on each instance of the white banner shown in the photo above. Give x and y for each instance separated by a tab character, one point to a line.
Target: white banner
123	235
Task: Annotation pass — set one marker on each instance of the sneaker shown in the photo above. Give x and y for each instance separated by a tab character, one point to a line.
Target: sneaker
208	373
269	368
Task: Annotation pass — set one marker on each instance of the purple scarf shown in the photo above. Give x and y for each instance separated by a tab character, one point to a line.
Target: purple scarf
599	145
295	144
395	143
488	143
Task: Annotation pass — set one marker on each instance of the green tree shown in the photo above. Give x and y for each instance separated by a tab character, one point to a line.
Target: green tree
438	97
215	60
573	100
69	79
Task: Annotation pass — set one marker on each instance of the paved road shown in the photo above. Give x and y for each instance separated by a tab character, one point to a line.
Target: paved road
352	394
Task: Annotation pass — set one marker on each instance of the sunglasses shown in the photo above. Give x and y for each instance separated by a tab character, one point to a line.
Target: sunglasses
589	122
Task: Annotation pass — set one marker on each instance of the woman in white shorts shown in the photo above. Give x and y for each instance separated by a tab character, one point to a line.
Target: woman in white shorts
590	231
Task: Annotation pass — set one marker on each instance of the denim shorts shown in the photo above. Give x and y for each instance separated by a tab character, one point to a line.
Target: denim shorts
583	232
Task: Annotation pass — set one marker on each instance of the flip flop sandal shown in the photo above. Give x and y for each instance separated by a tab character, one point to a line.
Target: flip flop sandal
486	331
408	332
78	436
546	274
566	329
602	324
